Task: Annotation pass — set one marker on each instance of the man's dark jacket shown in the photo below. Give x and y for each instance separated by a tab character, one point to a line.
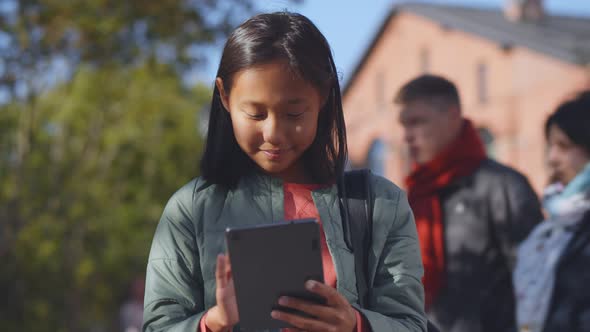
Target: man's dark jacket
485	216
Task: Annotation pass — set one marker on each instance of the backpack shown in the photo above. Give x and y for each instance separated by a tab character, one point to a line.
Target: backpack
357	223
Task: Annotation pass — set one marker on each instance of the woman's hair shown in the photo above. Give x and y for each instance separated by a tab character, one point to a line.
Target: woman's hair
573	118
295	40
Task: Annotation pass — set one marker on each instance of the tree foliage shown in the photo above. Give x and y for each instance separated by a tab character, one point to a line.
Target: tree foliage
80	200
34	34
96	132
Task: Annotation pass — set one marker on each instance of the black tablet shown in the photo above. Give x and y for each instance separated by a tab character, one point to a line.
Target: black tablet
269	261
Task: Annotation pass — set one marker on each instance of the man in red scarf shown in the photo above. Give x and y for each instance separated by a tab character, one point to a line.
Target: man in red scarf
471	212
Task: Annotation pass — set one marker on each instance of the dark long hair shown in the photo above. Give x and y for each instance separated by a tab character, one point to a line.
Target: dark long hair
573	118
262	39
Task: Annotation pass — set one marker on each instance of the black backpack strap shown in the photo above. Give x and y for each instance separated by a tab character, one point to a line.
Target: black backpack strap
357	223
356	202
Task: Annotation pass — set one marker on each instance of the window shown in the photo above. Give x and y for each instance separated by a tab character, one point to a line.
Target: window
488	140
376	157
405	160
348	165
482	83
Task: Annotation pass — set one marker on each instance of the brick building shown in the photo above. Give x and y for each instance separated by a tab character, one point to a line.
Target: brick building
512	66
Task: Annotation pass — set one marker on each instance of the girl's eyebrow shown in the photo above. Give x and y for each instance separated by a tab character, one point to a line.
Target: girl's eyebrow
251	103
293	101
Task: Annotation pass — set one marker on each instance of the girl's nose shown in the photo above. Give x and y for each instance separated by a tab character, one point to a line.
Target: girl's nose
273	131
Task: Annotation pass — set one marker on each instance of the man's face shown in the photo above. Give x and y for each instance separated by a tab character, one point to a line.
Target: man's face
428	129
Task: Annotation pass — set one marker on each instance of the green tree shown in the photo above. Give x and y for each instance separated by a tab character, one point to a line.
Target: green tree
36	33
97	133
78	213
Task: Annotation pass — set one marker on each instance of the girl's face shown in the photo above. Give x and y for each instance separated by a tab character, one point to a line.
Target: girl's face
566	159
274	115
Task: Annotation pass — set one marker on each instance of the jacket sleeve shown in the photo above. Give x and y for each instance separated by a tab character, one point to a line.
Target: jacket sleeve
174	285
517	211
396	300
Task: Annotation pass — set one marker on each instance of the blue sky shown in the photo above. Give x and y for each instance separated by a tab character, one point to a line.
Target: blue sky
349	25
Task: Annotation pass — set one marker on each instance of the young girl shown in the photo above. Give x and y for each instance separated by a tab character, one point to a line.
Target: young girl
275	150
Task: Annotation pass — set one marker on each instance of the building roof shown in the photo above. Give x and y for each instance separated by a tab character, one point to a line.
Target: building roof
563	37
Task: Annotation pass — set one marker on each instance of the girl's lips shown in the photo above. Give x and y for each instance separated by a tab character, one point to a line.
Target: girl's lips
274	154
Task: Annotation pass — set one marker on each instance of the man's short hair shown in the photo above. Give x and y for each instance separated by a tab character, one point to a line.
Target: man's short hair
429	88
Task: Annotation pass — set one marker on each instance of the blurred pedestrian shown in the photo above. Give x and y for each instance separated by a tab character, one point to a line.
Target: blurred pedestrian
471	211
131	313
552	276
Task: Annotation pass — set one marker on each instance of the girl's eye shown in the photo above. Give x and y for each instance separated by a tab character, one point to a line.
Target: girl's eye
295	115
255	116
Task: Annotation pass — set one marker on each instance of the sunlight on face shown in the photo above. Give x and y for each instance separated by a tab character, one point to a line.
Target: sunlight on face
274	115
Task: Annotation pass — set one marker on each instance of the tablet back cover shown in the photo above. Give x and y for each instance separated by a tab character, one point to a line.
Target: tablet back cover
269	261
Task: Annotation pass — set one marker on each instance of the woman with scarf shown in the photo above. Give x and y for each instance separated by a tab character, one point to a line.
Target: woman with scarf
552	275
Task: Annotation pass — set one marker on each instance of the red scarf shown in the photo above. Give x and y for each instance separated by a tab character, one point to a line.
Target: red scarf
461	158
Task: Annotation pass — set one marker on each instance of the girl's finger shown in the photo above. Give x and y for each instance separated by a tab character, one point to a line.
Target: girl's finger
333	298
220	271
300	322
227	265
321	312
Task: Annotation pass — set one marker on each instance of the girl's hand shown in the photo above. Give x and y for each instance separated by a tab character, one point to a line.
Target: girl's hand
224	315
336	315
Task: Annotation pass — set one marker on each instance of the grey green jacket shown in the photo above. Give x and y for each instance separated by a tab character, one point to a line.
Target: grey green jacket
180	281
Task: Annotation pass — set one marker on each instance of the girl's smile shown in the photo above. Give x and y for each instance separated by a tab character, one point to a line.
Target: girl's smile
274	114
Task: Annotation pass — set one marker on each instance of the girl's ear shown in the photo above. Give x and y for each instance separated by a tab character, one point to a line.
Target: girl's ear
222	93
